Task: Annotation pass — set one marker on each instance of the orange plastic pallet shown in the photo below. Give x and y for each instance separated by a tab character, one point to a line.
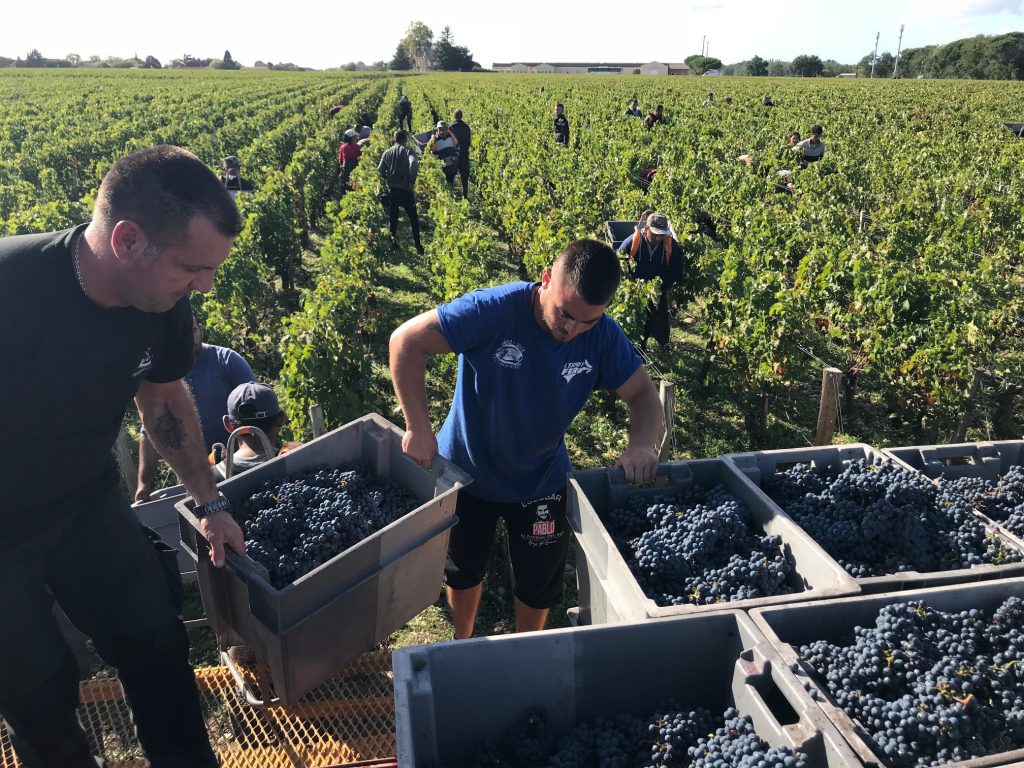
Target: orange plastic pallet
348	721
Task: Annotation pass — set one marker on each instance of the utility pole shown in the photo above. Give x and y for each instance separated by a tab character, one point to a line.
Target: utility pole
702	41
707	48
874	56
899	45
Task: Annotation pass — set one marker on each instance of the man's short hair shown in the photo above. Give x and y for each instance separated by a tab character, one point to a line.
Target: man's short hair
817	130
592	268
457	114
162	189
399	137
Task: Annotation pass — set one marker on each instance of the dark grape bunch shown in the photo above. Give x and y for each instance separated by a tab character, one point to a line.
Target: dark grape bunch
931	687
878	519
294	525
1003	500
699	547
667	738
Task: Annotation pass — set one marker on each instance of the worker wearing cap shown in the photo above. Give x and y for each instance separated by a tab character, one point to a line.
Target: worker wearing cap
348	154
654	252
445	147
253	405
530	354
91	318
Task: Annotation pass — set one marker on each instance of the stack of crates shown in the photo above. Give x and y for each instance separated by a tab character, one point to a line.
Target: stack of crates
636	653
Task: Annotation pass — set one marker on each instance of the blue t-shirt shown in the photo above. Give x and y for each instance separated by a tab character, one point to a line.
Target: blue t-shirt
217	371
519	389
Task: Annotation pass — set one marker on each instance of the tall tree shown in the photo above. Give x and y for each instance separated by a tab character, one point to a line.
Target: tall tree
401	61
807	66
448	57
418	40
701	64
34	58
757	67
152	63
74	59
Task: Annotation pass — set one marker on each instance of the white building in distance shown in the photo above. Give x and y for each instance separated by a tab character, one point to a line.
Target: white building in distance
596	68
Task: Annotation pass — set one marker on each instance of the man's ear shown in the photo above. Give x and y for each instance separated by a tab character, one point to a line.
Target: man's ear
127	240
227	424
545	278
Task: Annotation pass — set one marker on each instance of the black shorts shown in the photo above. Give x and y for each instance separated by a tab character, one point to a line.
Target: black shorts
537	545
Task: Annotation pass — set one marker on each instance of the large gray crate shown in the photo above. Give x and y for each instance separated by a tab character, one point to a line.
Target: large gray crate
313	627
608	590
789	627
451	697
760	465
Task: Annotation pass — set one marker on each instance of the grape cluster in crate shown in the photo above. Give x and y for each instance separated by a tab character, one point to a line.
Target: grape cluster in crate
294	525
699	547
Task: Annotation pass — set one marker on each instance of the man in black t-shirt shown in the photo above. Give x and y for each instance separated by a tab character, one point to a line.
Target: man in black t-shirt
464	135
561	126
90	318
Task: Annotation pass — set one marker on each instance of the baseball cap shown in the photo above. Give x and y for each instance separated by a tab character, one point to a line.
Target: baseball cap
658	224
252	401
231	162
442	124
350	134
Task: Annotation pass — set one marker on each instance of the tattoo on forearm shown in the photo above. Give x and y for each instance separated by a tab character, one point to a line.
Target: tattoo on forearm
169	430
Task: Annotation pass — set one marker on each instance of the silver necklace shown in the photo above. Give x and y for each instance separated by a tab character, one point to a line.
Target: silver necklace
78	268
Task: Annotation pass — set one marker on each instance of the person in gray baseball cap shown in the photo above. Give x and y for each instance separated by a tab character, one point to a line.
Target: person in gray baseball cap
253	405
654	252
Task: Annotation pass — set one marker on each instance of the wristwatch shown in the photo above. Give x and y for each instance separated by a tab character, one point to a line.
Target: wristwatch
220	504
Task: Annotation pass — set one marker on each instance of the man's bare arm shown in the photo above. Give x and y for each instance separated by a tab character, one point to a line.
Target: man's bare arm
411	344
149	460
646	425
172	424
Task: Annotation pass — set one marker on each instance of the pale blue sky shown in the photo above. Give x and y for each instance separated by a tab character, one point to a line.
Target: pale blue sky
323	35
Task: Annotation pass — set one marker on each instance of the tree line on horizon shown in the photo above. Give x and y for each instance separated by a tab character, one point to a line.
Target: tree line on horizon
984	57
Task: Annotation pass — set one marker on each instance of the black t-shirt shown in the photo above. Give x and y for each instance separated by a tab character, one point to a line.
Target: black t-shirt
68	370
562	130
463	135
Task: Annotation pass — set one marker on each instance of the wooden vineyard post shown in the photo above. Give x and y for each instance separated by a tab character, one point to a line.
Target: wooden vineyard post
667	395
125	462
316	419
828	411
972	398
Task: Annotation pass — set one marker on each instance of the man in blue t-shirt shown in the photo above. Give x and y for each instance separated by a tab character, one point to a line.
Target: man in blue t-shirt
530	354
216	371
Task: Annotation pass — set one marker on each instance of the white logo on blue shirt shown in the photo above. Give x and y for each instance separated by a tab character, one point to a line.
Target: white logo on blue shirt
572	369
510	354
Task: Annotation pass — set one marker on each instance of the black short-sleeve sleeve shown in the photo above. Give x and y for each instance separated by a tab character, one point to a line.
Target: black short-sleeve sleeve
176	356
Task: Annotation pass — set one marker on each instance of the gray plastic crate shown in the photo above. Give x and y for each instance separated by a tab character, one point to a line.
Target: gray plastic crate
789	627
759	465
162	516
987	460
1017	128
608	591
451	697
308	631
